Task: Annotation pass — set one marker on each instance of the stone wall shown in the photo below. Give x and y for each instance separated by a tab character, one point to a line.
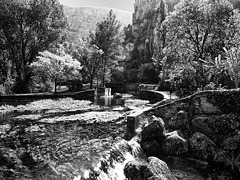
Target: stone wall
151	95
81	95
202	103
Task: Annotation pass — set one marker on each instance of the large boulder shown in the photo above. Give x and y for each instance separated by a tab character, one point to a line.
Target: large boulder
154	130
154	169
174	144
218	127
160	169
187	163
137	170
202	147
231	143
117	95
151	148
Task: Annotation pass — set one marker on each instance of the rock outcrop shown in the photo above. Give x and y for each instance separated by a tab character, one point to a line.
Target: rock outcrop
203	129
174	144
82	20
153	169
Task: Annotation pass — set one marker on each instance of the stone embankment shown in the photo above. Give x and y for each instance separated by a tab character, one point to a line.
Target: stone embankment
81	95
201	131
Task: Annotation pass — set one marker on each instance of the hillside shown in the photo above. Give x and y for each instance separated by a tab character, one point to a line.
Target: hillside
172	3
83	19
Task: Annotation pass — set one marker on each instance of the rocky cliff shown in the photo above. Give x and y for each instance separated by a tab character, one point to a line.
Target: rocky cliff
83	19
146	13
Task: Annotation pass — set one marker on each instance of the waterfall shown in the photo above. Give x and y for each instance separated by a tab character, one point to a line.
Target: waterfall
111	164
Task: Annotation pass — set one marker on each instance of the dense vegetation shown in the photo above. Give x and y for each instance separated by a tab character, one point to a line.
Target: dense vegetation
182	45
26	28
191	46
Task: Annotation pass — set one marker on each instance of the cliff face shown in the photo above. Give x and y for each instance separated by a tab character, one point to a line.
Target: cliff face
83	19
146	13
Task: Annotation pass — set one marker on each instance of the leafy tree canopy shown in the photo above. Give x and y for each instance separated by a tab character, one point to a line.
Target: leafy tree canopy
108	37
26	28
57	68
196	31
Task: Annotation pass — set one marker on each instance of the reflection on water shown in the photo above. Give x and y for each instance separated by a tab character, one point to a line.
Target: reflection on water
109	101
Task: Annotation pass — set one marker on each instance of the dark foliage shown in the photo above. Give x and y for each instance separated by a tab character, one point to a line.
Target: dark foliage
227	101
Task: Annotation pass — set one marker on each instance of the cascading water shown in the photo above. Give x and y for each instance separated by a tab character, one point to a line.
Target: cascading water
111	163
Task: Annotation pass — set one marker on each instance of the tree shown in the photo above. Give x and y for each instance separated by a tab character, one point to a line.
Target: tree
231	57
232	64
56	68
26	28
148	74
91	61
198	30
108	38
89	55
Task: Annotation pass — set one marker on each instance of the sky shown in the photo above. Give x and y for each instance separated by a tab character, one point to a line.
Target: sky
126	5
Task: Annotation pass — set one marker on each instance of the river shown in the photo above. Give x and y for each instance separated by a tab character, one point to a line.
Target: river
77	140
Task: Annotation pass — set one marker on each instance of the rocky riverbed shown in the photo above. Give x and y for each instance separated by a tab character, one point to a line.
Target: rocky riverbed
59	139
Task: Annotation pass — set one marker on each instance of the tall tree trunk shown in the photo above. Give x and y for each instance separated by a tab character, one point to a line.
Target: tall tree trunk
104	71
91	82
55	86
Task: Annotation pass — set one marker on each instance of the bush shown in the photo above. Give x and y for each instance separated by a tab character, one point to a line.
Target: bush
131	75
21	87
117	76
148	73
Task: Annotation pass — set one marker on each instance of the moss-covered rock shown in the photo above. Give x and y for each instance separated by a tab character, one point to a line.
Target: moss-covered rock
160	168
174	144
137	170
210	121
227	100
217	127
154	130
151	148
183	163
153	169
179	121
202	147
231	143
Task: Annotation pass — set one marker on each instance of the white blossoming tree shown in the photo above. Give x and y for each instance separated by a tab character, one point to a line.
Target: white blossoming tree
56	68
